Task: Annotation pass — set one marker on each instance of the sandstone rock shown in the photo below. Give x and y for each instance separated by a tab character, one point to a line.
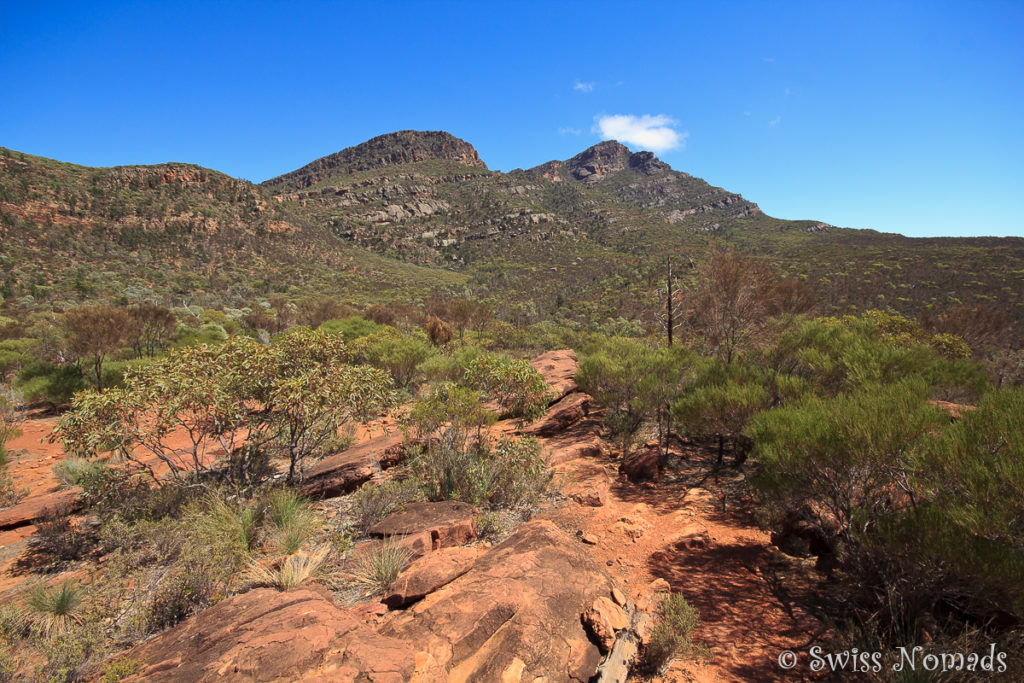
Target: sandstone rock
642	465
523	599
425	527
266	635
348	470
618	596
603	619
561	415
582	440
429	574
558	369
587	484
33	508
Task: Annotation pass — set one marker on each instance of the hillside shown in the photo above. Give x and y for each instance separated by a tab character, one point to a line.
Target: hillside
580	241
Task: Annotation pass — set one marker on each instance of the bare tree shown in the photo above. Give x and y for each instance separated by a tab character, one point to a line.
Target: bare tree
730	300
94	332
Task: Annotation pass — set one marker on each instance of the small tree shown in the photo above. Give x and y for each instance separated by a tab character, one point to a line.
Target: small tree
200	403
150	327
720	402
94	332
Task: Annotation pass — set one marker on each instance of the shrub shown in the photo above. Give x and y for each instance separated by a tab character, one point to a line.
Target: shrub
72	471
14	623
57	384
513	384
370	504
55	611
121	668
188	591
58	536
509	474
350	328
68	654
673	634
227	529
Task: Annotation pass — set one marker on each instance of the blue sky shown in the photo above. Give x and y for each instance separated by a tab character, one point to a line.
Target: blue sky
901	117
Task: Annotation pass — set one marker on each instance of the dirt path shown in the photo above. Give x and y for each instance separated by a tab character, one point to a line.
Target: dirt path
720	561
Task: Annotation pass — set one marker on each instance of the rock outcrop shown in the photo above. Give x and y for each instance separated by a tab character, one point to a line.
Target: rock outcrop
265	635
558	368
427	575
339	474
517	613
425	527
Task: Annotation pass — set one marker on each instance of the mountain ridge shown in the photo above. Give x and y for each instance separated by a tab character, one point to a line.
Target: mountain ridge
410	212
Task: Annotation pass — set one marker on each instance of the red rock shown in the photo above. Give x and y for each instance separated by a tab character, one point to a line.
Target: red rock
642	465
265	635
587	484
33	508
618	596
522	600
424	527
954	410
558	369
603	619
350	469
582	440
429	574
561	415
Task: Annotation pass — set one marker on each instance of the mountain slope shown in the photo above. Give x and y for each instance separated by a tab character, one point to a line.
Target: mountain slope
582	241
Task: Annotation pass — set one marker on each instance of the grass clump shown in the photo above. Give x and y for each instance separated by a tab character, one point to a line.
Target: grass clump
55	611
292	523
379	565
74	471
672	636
292	570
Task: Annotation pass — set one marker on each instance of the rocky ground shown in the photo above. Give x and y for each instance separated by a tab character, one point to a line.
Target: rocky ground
546	604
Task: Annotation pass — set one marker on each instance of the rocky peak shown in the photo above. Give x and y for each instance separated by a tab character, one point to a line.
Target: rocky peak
647	163
601	159
403	147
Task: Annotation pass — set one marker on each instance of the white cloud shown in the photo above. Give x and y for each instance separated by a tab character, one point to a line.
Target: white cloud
584	87
776	121
654	133
570	131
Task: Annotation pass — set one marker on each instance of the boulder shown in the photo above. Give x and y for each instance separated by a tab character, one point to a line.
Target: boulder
561	415
424	527
642	465
266	635
602	620
429	574
522	601
558	369
339	474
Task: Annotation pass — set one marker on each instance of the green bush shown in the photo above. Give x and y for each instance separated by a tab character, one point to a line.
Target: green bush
672	635
350	328
509	474
57	384
370	504
513	384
